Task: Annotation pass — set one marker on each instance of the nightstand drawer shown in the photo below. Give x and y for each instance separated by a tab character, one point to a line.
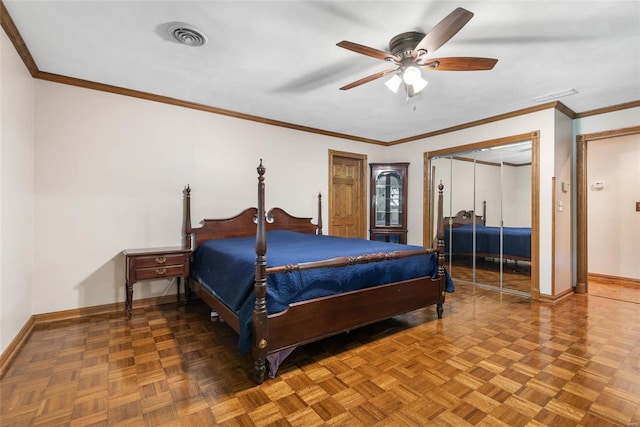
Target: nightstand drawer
159	272
159	260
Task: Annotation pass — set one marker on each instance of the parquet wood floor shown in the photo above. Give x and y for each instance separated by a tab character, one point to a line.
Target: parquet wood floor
494	360
515	276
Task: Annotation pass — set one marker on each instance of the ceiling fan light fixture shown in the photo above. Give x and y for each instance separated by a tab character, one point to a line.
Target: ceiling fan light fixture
394	83
412	77
409	51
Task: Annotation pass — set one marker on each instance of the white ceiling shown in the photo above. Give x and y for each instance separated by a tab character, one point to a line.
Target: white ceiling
278	60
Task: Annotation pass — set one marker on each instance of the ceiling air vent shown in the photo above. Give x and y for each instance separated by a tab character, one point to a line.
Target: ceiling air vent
187	34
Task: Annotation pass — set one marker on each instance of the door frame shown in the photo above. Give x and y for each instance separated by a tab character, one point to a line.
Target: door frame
582	258
534	137
362	159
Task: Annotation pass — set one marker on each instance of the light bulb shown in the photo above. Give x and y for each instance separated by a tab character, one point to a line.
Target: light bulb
411	75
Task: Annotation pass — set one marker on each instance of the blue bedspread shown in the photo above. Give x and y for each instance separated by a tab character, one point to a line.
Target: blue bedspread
516	240
226	267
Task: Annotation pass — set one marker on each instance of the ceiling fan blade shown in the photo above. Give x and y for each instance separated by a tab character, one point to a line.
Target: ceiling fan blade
369	51
443	31
366	79
459	64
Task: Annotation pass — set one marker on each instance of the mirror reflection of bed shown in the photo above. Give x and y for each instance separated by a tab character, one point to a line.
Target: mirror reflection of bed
501	255
488	215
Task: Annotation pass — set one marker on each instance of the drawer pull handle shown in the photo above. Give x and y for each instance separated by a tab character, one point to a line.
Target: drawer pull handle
161	260
160	271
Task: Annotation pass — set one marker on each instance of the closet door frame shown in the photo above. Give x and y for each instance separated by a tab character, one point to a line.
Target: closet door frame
428	219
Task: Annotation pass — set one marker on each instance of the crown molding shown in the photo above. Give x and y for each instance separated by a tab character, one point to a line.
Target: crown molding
18	43
555	104
610	109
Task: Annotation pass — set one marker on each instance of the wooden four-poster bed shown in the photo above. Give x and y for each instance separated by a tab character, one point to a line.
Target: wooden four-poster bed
279	283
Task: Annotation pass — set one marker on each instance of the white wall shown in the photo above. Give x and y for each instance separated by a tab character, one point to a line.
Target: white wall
109	174
605	122
16	192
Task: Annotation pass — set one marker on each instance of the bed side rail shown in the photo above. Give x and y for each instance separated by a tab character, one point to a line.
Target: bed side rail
351	260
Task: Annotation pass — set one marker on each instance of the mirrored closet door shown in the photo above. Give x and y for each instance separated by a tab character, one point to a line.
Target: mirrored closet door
488	215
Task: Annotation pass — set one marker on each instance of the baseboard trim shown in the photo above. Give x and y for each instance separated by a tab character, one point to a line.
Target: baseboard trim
556	298
16	344
612	280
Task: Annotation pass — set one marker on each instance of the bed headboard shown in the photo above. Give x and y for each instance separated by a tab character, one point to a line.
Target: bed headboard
467	217
244	224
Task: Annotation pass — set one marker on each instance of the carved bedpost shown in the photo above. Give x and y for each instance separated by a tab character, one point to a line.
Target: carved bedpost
319	232
187	217
260	331
440	246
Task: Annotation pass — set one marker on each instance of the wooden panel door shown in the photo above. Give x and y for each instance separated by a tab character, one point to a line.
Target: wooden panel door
347	195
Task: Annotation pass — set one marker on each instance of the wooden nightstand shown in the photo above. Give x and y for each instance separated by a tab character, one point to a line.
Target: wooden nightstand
154	263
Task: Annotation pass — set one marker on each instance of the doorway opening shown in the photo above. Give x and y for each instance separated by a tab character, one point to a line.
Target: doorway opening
605	193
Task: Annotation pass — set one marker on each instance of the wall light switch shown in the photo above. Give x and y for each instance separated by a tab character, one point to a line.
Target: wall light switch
637	206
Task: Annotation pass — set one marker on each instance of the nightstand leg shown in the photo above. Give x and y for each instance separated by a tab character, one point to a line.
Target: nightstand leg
129	287
178	280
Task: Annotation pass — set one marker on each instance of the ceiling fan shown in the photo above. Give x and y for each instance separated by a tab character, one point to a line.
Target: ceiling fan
409	52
